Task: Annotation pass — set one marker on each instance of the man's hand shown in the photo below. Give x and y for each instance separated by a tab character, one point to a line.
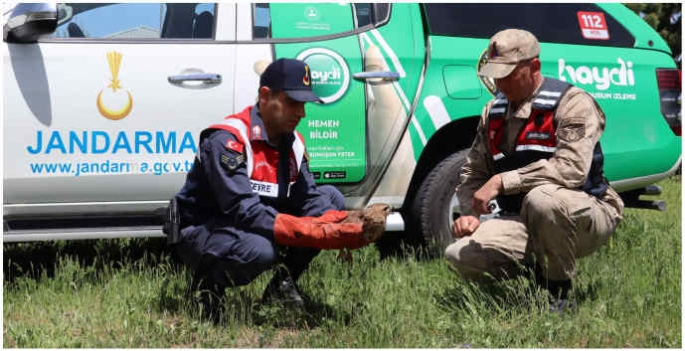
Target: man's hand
464	225
489	191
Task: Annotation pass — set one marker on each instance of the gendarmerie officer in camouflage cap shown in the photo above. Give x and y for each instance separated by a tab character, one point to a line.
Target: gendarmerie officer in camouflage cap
537	153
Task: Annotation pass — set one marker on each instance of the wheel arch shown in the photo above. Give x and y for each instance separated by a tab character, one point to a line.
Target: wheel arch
452	137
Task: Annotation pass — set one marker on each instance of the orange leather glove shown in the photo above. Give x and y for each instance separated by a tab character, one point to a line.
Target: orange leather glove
333	216
324	232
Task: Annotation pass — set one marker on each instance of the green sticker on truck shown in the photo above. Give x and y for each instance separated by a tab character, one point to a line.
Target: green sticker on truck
330	74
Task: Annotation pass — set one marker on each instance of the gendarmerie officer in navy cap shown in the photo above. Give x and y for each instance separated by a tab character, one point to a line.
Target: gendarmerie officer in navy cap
250	202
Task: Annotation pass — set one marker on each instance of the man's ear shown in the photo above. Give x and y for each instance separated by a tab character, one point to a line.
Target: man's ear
264	95
536	64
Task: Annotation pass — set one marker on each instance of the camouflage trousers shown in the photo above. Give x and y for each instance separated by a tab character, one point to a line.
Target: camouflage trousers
556	226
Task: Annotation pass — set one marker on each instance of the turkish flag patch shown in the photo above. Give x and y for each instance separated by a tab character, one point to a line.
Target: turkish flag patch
235	146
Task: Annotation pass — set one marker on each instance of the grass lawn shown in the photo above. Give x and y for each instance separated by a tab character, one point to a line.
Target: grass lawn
129	294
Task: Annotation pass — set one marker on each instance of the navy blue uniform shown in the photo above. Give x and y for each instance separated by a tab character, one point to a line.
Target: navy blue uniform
227	227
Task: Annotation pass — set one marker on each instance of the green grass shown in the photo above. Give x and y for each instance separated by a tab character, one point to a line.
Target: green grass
128	293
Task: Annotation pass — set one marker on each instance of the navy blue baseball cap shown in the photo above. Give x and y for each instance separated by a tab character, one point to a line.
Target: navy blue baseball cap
293	77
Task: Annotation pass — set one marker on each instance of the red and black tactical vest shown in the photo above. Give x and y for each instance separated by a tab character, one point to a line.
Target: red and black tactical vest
536	141
260	159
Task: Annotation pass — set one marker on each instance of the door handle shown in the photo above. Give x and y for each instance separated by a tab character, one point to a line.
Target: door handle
384	75
199	78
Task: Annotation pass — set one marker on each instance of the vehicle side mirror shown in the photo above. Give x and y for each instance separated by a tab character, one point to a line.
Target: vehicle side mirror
30	21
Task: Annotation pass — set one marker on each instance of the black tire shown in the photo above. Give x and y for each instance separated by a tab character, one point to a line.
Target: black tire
435	206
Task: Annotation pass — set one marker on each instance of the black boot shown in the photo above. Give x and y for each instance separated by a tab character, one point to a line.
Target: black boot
211	300
559	291
282	289
209	293
560	300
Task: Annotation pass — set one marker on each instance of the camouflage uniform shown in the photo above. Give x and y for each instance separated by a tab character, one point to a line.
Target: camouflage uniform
557	220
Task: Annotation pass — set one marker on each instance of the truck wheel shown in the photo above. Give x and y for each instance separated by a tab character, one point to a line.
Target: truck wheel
435	206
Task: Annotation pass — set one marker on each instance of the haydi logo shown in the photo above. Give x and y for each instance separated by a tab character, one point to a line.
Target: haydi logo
601	77
330	75
323	76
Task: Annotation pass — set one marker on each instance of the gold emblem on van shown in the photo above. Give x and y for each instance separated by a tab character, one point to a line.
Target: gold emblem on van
114	102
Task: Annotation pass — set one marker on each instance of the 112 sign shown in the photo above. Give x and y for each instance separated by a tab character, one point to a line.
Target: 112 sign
593	25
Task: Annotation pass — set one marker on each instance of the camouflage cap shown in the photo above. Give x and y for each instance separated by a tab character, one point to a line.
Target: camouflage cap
506	49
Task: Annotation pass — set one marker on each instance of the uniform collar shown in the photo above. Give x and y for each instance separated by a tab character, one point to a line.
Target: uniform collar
258	131
525	107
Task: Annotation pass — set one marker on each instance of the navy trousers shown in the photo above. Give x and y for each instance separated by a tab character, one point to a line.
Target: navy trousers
228	257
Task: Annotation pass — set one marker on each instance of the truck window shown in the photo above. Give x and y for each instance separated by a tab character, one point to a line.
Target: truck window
363	14
311	19
553	23
133	21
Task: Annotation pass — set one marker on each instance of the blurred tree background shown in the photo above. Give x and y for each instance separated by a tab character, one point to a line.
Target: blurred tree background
666	20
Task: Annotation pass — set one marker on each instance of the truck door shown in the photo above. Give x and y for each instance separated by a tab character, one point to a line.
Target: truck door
116	95
335	131
353	135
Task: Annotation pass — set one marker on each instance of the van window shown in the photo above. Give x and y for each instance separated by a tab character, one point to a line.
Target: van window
135	21
306	20
554	23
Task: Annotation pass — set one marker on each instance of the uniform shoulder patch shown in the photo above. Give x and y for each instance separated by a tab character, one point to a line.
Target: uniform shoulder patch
232	162
572	129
